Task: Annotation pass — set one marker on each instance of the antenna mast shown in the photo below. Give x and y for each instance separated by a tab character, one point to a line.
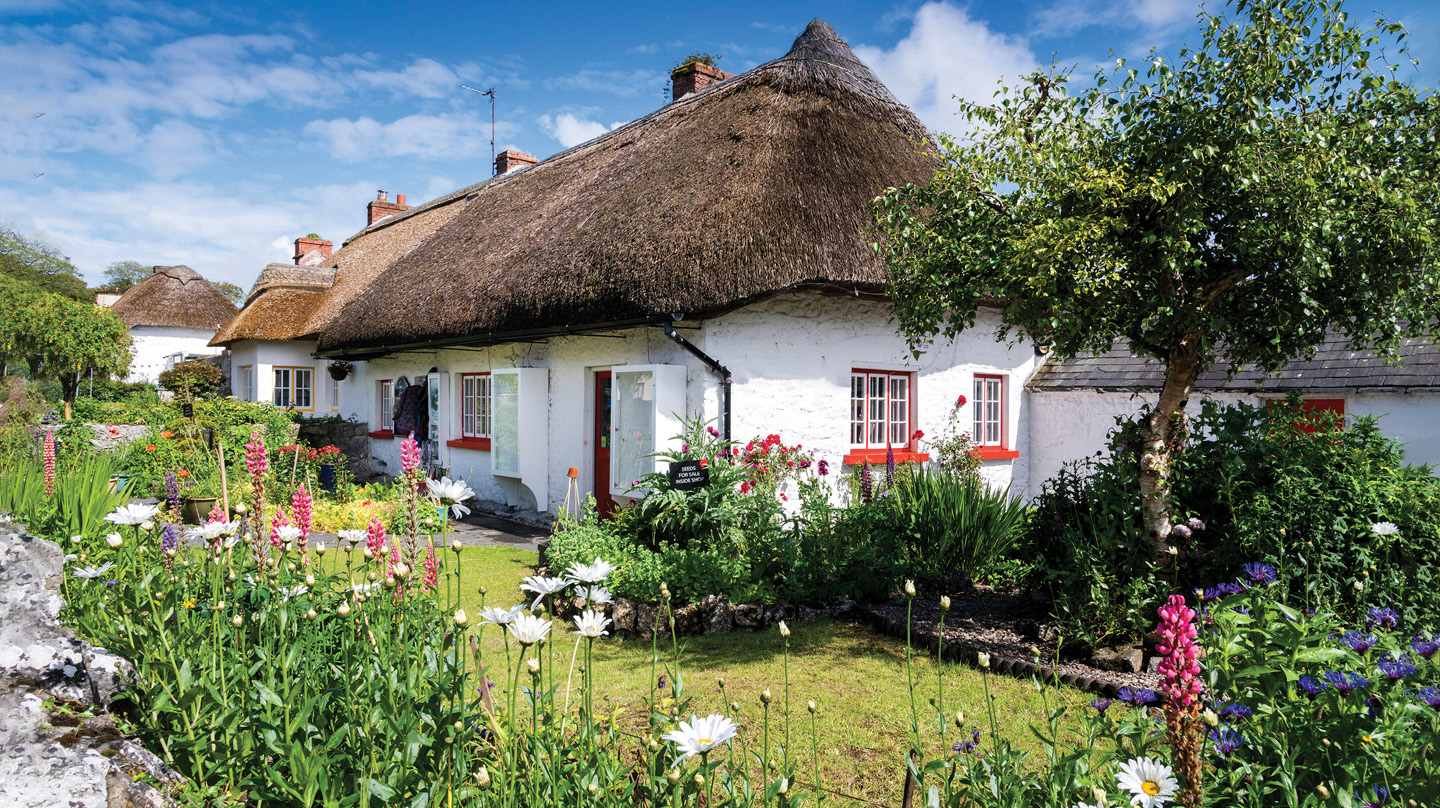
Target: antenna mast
490	92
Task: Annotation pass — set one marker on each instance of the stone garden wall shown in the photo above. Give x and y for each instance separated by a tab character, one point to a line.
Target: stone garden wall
352	438
60	745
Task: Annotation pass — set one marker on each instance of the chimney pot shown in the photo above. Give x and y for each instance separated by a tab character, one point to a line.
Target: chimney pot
693	78
382	207
511	159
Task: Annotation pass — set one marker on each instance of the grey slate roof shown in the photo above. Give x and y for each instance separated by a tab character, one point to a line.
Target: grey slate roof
1333	368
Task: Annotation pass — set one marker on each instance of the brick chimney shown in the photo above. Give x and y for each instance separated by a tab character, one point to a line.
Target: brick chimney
510	159
693	78
311	251
382	207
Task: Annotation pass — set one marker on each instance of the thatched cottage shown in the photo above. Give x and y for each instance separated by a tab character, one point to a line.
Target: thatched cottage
172	315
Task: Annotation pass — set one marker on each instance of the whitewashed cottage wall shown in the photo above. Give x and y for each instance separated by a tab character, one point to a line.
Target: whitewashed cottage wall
153	344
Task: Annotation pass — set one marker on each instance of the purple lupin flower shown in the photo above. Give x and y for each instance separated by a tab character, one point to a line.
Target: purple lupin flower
168	540
867	485
889	466
172	492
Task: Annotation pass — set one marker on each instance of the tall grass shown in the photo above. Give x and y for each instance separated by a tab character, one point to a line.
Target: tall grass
954	524
81	501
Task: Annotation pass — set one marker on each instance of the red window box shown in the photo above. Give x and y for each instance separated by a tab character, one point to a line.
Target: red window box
876	457
478	444
995	453
383	434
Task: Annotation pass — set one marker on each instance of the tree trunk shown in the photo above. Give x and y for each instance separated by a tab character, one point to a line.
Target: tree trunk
69	383
1163	431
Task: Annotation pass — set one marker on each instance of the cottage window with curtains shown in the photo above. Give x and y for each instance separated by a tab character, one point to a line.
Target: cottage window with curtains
880	409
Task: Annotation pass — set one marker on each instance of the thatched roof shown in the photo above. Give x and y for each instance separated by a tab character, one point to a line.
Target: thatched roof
1333	368
756	184
174	296
278	304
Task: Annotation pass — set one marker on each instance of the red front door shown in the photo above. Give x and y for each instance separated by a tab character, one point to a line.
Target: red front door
603	500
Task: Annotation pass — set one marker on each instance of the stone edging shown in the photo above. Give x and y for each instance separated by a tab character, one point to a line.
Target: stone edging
960	651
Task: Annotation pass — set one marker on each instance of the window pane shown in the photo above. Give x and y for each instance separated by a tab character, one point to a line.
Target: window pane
899	410
633	425
282	388
334	393
482	406
857	409
387	405
506	446
877	410
303	398
467	405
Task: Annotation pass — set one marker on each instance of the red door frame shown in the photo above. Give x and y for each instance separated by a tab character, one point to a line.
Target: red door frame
605	504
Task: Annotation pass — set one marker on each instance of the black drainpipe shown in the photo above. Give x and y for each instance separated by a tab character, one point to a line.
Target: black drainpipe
718	368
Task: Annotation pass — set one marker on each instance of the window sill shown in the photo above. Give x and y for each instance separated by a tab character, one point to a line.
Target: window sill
478	444
383	434
996	453
877	456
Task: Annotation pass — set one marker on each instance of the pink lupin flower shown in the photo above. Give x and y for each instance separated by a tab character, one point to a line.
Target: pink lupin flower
257	460
300	506
217	514
432	570
49	463
280	520
1180	681
375	537
409	454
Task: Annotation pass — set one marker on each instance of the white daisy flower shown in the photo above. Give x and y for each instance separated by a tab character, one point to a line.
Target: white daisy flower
592	573
91	572
543	586
288	534
700	735
137	514
450	493
596	595
1384	528
114	540
501	617
591	624
529	629
1150	782
352	536
211	531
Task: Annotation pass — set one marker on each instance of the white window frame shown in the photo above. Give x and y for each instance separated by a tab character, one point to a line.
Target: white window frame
247	382
476	406
385	405
334	394
988	411
882	408
280	390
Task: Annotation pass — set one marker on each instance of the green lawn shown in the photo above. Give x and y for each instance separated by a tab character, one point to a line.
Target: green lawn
855	676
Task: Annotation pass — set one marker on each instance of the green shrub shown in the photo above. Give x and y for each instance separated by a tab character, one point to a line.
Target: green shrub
951	523
192	380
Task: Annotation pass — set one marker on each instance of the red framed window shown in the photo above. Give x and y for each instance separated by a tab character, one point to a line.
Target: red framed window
384	423
882	415
988	414
476	412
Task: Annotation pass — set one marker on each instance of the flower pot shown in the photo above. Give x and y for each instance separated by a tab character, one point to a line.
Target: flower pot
194	510
327	478
339	374
119	483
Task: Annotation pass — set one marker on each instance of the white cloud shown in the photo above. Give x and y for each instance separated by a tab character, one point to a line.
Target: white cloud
572	131
175	147
1069	17
619	82
431	137
947	54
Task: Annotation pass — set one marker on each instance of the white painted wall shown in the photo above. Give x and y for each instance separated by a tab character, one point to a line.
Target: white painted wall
263	356
791	357
152	344
1069	425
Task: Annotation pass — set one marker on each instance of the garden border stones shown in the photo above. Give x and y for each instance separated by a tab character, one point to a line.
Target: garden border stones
58	746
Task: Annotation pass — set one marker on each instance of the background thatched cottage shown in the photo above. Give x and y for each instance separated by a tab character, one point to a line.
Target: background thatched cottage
710	258
172	315
1073	405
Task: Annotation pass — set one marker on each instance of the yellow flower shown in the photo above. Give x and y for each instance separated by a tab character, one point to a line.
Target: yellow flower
188	604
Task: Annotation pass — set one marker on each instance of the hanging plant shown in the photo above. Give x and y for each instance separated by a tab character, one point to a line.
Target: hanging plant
340	369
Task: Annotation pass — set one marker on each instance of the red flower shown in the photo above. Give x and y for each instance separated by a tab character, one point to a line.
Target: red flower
744	488
960	402
790	463
704	462
918	435
182	473
150	448
167	434
114	430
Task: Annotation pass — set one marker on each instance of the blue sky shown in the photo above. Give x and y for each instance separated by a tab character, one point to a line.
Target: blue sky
213	134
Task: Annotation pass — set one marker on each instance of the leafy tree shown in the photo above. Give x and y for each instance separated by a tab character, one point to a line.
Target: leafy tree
71	339
19	303
192	380
121	275
1276	184
232	292
30	259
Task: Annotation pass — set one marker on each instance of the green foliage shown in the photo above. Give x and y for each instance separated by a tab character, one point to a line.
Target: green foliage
952	524
31	261
192	380
72	339
1305	503
710	515
121	275
696	58
231	292
1092	554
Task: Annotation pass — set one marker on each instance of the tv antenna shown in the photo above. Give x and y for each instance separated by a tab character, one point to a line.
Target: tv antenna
490	92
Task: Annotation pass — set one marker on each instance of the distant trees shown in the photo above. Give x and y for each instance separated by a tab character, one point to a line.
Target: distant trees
229	290
122	275
29	259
